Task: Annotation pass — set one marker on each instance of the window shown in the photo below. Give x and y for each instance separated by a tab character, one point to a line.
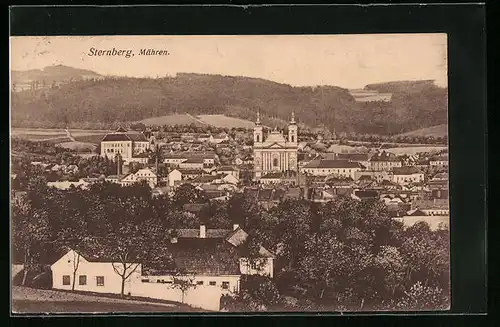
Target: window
200	282
275	162
82	280
66	280
212	283
100	280
225	285
293	138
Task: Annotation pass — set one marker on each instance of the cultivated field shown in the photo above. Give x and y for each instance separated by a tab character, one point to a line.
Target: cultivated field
435	131
85	139
225	122
30	300
170	120
415	149
201	120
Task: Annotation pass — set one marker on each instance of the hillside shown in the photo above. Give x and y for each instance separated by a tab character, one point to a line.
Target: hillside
49	75
436	131
103	101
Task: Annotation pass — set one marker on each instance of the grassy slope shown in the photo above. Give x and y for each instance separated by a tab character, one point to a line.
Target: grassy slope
30	300
436	131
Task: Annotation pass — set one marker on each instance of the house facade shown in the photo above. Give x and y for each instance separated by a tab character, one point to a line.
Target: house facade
406	175
96	275
341	168
384	161
127	144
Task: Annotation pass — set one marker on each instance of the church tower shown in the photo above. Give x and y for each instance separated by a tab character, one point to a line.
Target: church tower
292	131
257	131
258	139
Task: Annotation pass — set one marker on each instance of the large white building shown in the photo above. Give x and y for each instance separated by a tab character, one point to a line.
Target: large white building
128	144
341	168
274	152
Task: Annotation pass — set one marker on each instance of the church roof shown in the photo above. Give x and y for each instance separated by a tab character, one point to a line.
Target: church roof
275	137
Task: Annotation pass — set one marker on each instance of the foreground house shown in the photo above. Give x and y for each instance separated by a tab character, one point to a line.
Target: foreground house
208	262
91	273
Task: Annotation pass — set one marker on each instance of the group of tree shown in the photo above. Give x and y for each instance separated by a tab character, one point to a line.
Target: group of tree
341	255
348	255
36	147
133	99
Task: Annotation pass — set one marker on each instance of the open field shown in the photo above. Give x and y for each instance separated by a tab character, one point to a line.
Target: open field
201	120
30	300
181	119
415	149
436	131
49	132
226	122
85	139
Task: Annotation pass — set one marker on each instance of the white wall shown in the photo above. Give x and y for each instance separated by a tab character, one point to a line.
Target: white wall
200	296
173	176
112	281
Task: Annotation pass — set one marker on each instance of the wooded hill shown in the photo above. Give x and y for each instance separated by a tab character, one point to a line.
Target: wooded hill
100	101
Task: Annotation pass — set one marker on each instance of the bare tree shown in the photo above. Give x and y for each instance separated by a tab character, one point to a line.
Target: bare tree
183	283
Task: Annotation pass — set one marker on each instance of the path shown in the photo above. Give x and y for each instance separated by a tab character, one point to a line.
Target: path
198	120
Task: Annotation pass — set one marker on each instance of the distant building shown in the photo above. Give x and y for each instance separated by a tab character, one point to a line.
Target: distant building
229	170
127	144
274	153
384	161
343	168
439	161
173	176
406	175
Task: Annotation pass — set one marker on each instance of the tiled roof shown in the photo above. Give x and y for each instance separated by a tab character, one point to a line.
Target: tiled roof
384	157
406	170
137	137
200	257
194	160
190	171
353	156
226	168
115	138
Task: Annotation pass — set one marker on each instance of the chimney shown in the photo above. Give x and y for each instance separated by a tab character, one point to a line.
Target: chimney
236	226
118	165
203	231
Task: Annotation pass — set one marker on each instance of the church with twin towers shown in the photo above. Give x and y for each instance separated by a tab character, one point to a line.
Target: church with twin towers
273	151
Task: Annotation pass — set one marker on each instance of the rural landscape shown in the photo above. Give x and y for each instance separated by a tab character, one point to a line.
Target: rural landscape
200	192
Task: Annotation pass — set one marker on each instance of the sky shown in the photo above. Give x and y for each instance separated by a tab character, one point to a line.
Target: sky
349	61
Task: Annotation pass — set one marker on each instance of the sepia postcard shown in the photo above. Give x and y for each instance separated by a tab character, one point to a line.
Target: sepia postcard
236	173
